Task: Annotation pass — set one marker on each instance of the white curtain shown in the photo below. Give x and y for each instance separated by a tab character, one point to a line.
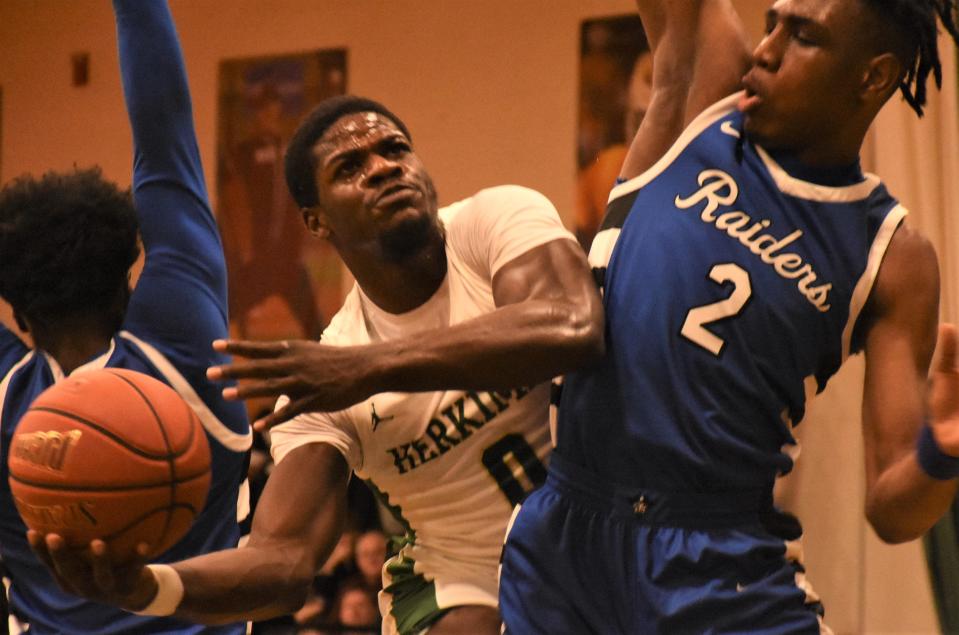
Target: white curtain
867	586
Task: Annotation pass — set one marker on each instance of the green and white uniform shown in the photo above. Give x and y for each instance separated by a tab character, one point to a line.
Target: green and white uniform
451	465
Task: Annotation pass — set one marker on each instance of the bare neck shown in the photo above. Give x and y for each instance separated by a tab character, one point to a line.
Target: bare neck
74	345
398	287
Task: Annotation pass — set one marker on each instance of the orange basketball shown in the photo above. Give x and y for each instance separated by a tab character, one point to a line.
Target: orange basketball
111	454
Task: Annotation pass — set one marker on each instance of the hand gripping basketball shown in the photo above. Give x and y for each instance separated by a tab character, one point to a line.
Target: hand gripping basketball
110	454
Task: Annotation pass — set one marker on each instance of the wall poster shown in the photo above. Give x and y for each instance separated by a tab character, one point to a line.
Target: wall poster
283	282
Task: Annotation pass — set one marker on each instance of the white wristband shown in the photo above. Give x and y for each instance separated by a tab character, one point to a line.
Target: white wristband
169	591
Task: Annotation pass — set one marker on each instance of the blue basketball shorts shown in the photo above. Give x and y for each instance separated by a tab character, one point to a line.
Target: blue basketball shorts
584	556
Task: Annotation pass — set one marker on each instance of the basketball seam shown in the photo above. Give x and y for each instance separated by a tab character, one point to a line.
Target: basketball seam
170	460
107	433
167	508
101	488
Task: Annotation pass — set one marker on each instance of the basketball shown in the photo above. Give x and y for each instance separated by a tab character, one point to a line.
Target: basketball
110	454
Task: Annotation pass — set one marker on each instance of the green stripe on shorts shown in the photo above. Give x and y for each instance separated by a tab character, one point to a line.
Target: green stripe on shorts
414	604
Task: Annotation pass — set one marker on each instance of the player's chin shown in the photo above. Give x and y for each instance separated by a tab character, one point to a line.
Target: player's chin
760	130
409	231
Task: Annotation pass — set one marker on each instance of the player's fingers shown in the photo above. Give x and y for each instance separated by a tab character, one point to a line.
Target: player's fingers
102	567
248	348
278	416
273	387
946	349
249	370
66	566
267	422
39	547
142	556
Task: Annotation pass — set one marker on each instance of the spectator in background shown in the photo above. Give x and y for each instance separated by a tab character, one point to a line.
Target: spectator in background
356	610
370	554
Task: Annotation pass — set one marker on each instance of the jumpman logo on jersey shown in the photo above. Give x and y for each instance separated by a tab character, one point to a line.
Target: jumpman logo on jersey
377	419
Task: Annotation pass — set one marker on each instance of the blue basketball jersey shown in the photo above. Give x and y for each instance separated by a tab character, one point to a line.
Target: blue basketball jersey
732	289
176	310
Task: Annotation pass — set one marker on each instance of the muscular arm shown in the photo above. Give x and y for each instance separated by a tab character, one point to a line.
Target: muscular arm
902	502
549	319
298	522
699	56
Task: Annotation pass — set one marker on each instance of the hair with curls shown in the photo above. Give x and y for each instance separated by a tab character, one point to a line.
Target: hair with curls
908	28
67	242
300	163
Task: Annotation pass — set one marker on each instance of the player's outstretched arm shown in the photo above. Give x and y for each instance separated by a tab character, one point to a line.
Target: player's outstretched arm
184	275
549	320
902	499
298	521
699	56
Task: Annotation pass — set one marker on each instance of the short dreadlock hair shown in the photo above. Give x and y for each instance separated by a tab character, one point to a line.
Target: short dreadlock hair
908	29
300	162
67	242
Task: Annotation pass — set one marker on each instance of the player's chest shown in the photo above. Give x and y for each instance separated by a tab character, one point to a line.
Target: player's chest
402	434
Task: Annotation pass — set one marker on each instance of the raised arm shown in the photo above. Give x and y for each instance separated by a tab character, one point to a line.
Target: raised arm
699	56
902	500
181	295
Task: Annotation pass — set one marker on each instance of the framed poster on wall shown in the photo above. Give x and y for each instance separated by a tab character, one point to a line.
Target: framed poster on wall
283	282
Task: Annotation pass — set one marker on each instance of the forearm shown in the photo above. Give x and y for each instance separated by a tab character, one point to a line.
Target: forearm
154	76
904	502
699	56
176	224
516	345
249	583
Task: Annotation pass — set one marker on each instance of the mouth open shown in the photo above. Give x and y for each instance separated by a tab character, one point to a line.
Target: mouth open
750	98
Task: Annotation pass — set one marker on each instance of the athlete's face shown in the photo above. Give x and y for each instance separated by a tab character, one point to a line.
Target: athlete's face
373	189
806	74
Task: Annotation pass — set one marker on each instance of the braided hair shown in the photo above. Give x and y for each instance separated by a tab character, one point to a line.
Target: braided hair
908	28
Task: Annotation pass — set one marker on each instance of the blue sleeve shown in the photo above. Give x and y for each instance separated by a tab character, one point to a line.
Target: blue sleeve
12	350
180	300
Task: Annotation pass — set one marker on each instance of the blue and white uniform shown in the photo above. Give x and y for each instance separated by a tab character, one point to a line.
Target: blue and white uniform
733	281
177	309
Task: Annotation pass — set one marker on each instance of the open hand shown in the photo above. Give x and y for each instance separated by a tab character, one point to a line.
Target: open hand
315	377
90	572
944	394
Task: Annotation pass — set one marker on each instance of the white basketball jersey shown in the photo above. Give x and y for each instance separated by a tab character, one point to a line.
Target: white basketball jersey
451	465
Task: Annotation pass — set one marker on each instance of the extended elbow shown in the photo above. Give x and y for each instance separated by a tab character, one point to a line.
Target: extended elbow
588	331
297	589
889	529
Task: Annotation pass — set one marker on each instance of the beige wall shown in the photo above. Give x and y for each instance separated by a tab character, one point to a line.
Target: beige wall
488	88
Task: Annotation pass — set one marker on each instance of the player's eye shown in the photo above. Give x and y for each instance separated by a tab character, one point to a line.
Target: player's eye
398	148
346	169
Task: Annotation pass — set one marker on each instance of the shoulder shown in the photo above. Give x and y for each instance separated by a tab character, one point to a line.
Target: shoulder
908	278
910	266
347	327
493	203
511	197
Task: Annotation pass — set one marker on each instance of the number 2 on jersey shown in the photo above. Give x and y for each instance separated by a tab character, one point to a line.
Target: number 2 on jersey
694	328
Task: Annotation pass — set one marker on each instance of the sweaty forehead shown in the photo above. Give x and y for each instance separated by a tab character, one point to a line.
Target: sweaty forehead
354	130
823	12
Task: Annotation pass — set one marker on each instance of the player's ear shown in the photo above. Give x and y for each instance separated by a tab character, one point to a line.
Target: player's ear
316	222
881	78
